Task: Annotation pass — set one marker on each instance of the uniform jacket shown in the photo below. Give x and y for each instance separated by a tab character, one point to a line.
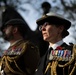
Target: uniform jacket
20	59
58	67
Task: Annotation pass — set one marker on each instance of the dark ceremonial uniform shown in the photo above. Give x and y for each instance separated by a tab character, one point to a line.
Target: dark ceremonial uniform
62	61
20	59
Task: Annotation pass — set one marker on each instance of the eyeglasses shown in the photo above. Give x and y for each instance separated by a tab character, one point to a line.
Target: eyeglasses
43	25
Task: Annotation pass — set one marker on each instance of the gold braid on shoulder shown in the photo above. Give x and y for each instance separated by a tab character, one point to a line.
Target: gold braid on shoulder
53	65
70	62
8	59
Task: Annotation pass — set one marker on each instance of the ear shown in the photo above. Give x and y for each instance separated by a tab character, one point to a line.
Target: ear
61	28
15	29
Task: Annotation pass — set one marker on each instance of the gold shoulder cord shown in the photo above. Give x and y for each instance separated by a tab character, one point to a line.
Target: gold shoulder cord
8	59
53	65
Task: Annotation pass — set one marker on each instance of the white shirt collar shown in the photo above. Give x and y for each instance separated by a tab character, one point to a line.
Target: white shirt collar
54	46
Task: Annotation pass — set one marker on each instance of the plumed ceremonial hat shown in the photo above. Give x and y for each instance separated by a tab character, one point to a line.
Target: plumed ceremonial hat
54	18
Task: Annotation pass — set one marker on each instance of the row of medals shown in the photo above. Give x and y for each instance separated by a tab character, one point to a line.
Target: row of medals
60	55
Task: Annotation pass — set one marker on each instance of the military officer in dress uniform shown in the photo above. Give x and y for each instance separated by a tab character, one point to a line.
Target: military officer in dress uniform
60	58
22	57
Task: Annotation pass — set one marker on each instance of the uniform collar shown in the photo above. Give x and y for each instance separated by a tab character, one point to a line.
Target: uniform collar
59	43
15	42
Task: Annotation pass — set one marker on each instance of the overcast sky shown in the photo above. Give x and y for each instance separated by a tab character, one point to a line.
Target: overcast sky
32	15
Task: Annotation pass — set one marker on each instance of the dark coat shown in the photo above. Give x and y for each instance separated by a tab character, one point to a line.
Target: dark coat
60	71
20	59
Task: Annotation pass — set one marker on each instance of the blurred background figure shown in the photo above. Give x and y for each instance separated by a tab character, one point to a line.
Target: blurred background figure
22	57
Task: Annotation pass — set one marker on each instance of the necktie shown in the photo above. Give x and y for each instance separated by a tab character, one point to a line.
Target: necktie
48	53
47	60
49	50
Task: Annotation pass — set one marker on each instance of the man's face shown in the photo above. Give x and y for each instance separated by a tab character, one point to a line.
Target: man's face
51	33
8	33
